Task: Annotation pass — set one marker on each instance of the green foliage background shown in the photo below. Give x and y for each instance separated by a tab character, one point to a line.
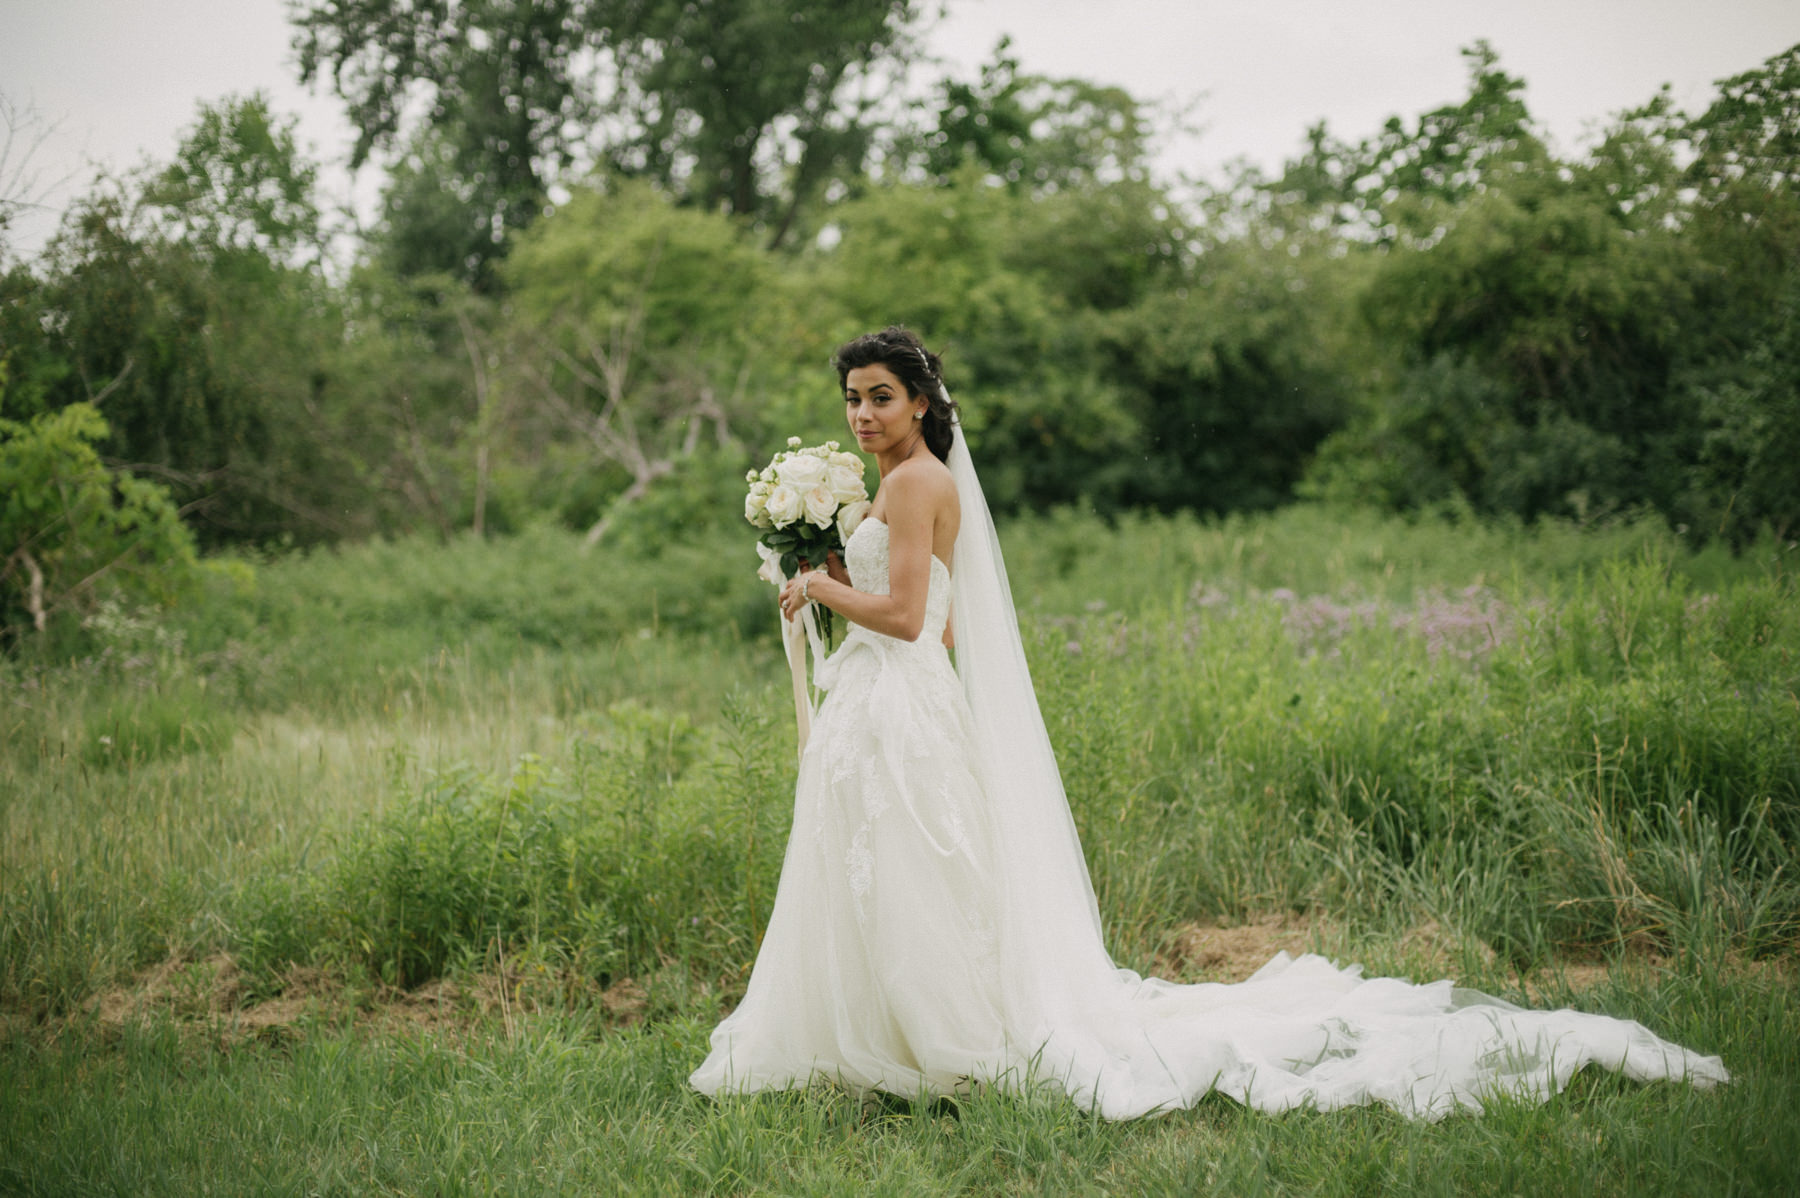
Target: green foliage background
1404	542
1443	315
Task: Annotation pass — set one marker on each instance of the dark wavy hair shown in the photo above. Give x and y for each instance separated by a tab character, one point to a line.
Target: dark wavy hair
917	368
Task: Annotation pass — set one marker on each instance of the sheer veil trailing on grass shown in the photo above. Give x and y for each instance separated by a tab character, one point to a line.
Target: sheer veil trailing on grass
936	926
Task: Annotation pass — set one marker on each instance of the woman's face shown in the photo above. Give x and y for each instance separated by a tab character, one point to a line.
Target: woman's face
878	408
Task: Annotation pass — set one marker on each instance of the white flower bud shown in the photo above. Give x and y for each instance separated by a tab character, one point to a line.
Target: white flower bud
756	506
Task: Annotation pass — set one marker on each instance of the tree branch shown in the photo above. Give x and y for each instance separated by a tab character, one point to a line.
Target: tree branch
118	378
34	591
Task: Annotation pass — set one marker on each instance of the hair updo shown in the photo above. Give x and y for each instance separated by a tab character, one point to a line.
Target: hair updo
919	371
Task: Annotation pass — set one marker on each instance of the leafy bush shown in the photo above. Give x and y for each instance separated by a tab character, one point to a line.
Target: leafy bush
643	848
72	530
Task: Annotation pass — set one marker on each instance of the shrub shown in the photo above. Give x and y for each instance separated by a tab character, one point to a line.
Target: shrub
73	531
642	849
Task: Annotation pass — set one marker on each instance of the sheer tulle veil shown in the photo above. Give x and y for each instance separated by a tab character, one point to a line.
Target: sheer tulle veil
1059	980
1053	894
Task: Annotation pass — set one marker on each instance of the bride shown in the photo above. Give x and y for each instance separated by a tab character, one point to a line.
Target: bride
935	924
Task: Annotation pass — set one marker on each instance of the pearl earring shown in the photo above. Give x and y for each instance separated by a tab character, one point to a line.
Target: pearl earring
918	415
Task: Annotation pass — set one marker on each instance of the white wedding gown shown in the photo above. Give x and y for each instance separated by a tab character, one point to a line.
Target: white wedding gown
912	949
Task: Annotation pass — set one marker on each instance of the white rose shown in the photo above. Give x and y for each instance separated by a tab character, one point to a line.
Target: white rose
845	459
767	475
802	472
850	515
793	443
783	506
821	505
846	482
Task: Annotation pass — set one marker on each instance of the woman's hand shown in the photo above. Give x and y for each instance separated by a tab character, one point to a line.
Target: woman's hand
790	597
797	592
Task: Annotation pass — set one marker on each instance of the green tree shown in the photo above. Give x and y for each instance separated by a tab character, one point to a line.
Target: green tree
953	262
1399	183
189	305
435	220
1739	375
239	186
129	313
1575	318
39	371
1748	139
72	531
1746	476
1034	133
727	102
715	82
1235	372
501	77
640	329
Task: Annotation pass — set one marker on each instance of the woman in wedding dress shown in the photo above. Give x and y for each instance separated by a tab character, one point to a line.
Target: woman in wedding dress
935	924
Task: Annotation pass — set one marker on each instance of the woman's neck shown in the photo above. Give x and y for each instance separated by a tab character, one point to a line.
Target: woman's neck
909	448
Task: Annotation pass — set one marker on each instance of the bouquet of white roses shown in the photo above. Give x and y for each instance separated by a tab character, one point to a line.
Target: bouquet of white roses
808	499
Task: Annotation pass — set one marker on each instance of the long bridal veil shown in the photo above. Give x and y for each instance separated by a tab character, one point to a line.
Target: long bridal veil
1051	922
1300	1032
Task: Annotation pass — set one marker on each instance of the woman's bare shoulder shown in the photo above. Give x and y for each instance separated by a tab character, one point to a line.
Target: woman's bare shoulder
923	475
923	482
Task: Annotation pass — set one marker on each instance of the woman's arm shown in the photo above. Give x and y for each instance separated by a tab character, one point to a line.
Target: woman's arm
913	502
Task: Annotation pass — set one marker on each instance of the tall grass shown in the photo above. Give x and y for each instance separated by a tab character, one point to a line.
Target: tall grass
402	759
407	761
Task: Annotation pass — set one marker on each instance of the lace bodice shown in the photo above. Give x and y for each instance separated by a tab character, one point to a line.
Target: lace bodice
866	556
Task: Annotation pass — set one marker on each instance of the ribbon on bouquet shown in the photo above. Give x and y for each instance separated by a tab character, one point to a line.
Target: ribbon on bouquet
796	635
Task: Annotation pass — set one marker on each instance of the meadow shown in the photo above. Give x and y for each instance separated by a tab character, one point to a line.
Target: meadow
426	866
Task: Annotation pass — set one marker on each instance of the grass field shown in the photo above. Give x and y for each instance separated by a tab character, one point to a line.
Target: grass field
425	868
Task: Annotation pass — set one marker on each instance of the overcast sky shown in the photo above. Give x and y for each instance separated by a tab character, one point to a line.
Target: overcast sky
120	79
